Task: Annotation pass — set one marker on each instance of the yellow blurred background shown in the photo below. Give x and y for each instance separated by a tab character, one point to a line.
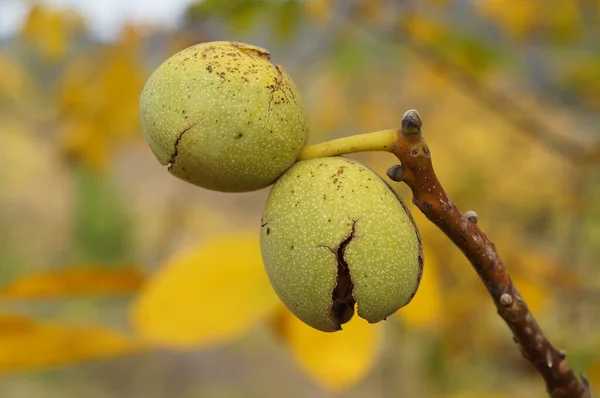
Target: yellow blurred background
119	280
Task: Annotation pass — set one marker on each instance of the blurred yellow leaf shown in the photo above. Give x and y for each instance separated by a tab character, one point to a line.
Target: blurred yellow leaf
98	101
206	296
26	344
337	360
426	308
535	293
76	93
84	141
51	30
13	323
122	76
14	81
73	281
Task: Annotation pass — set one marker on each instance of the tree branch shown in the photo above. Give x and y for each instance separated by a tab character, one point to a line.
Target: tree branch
429	196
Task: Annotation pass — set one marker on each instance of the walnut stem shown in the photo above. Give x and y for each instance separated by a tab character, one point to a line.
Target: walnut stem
429	196
377	141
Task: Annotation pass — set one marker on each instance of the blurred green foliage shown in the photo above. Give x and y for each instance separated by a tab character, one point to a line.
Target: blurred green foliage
103	226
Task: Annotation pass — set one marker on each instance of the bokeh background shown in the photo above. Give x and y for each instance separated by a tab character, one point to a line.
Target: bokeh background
118	280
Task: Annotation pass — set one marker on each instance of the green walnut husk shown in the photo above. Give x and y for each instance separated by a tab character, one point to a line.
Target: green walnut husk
221	116
333	235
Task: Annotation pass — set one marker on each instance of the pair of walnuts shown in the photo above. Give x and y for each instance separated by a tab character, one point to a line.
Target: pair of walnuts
334	235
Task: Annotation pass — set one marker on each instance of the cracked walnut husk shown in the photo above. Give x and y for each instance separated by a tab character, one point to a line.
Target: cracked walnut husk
336	238
221	116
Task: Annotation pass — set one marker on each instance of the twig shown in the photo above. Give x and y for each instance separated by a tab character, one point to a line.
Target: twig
429	196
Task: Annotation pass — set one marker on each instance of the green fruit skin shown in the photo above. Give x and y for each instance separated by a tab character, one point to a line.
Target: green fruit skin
221	116
310	211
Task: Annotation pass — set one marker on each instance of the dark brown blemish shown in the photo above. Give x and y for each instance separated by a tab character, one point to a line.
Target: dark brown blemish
268	231
209	69
239	135
342	309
